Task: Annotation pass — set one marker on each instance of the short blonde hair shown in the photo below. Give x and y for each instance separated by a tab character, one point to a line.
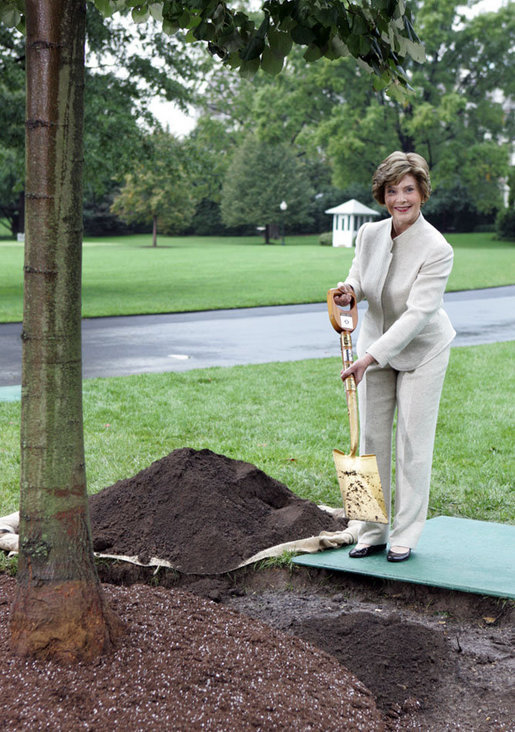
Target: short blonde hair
395	167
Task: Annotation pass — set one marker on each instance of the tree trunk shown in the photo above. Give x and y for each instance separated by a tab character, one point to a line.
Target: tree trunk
154	231
58	611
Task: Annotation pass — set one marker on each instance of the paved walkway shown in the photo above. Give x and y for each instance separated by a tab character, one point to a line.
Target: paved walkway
180	342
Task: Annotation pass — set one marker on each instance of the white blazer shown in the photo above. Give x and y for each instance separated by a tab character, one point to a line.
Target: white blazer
403	281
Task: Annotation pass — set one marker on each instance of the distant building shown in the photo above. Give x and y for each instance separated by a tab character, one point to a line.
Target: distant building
347	218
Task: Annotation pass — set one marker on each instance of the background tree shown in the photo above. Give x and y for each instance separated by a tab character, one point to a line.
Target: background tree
120	80
208	149
274	110
259	178
113	145
58	610
159	191
12	136
458	116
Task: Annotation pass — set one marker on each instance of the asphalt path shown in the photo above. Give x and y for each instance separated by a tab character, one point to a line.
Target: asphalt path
182	341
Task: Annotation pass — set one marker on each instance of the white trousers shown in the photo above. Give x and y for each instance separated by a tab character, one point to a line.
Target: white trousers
416	396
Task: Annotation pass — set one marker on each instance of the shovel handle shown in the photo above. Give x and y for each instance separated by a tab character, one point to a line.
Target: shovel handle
350	391
341	320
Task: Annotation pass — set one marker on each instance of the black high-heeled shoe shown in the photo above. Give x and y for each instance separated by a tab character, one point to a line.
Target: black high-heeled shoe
367	551
398	556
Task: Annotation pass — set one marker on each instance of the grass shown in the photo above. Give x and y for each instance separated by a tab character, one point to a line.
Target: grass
5	231
123	276
286	418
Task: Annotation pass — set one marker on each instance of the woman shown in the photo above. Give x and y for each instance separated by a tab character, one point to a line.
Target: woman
401	268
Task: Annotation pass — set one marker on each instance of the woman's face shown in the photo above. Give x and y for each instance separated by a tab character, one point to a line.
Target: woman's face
403	201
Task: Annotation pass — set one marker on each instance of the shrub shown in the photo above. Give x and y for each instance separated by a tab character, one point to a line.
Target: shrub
484	229
451	208
326	239
505	223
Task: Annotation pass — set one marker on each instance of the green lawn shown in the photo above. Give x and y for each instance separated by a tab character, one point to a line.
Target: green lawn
126	275
286	418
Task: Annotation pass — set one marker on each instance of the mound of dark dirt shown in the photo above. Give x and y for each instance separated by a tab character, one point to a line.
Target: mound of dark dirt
394	658
426	673
204	513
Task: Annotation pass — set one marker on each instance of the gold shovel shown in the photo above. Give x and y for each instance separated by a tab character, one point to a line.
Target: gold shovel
358	476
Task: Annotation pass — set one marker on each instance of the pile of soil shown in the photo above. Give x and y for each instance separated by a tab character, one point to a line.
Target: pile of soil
184	664
202	512
371	645
434	659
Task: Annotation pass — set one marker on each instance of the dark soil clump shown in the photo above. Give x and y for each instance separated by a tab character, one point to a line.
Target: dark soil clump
425	673
394	659
202	512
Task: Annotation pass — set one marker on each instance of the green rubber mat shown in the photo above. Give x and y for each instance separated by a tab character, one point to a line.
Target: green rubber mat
455	553
10	393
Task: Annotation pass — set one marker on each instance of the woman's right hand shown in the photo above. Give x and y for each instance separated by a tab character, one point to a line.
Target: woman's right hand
345	296
358	368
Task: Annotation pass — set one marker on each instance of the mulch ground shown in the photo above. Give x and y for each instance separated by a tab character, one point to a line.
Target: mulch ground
259	658
184	663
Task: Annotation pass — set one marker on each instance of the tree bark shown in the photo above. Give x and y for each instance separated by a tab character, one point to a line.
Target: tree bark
59	611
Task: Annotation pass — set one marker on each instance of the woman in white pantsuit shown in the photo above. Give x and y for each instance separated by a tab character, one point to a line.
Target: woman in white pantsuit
401	268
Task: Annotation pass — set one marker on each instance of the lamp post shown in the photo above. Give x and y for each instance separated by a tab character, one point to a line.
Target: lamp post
283	206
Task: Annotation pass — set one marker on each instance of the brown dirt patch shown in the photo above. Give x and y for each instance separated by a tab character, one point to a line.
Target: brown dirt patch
434	659
278	649
184	664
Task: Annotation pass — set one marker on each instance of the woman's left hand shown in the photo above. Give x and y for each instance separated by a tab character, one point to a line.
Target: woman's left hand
358	368
345	295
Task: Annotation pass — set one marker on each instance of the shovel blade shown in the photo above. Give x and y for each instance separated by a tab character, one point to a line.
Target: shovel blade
360	487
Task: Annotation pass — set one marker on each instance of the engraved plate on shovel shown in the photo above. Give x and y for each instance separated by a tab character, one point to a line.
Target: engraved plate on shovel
346	321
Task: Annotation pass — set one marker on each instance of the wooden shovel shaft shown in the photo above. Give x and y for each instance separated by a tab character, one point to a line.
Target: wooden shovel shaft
350	391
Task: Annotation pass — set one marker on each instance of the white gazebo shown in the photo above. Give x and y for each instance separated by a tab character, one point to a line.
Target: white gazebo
347	218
